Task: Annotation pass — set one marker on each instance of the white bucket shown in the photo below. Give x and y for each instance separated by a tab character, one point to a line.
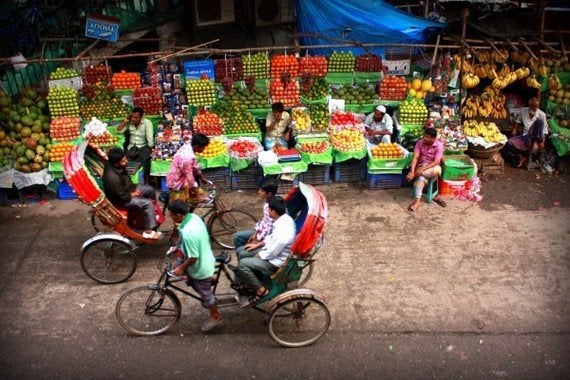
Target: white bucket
16	59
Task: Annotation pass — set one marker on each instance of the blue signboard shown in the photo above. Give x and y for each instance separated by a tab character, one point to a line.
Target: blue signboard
195	69
102	29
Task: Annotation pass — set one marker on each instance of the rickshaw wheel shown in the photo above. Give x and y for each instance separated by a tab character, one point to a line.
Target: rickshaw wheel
299	322
98	226
224	224
108	261
306	274
148	311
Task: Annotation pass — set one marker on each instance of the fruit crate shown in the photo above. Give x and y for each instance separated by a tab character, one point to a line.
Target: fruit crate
65	191
220	177
316	175
283	185
248	178
352	170
457	167
384	181
494	165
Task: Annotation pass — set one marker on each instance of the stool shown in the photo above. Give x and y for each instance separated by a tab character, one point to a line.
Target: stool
431	190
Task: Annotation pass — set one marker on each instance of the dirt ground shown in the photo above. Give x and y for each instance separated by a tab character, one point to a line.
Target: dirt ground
472	290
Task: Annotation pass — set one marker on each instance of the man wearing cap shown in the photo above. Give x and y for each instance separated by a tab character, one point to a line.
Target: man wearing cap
118	188
379	126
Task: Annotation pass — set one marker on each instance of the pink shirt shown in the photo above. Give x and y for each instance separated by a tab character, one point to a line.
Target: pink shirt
428	154
265	225
181	173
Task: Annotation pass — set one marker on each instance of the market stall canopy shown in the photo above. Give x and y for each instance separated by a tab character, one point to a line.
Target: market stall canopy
359	22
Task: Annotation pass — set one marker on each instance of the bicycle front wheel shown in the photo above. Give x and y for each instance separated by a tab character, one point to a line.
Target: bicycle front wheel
145	311
224	224
299	322
108	261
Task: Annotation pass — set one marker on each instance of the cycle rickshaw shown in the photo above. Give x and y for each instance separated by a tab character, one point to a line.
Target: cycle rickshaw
296	316
109	257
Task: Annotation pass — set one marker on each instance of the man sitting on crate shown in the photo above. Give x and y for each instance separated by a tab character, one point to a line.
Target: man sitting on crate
379	126
425	166
275	251
118	188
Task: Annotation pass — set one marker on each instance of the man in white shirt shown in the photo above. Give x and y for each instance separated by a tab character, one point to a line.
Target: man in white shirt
274	253
533	135
379	126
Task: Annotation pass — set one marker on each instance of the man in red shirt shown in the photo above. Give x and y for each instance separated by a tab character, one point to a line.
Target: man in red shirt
425	166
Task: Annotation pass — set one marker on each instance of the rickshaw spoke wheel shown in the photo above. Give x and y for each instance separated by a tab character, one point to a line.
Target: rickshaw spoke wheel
223	225
299	322
108	261
146	311
306	274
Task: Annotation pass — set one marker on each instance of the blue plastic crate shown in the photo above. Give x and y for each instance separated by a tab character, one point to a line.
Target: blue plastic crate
247	178
163	186
316	174
352	170
384	181
65	191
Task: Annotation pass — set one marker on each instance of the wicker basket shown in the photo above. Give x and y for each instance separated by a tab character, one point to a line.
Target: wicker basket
480	152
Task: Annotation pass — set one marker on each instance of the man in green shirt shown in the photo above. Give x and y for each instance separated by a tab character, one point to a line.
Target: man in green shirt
140	139
197	260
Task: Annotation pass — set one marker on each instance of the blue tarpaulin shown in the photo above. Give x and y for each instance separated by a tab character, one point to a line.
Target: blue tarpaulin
361	21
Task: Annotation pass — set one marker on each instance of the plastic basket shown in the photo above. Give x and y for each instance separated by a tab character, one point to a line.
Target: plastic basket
457	167
316	175
352	170
65	191
384	181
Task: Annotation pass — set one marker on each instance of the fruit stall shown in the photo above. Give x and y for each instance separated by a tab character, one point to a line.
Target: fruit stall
230	102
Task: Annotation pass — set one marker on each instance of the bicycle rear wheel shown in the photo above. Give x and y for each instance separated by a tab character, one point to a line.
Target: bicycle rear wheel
108	261
299	322
146	311
224	224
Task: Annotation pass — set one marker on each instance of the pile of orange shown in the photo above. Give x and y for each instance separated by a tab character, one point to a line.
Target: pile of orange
387	150
57	152
126	81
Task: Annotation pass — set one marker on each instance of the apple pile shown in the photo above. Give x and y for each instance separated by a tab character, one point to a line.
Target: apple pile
99	101
412	111
319	117
368	63
95	74
62	101
348	140
215	148
228	68
393	87
64	128
256	65
208	123
284	63
63	73
58	151
126	81
341	62
96	132
302	119
387	150
341	120
149	99
244	148
314	65
285	91
314	147
201	92
153	74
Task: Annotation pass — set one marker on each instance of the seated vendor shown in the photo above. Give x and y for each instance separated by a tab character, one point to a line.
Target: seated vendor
529	133
141	139
379	126
278	125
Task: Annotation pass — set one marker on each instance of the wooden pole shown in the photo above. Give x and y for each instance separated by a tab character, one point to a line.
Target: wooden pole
464	15
185	50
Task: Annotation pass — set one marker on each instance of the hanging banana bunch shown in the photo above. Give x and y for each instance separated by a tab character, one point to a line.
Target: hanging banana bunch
483	56
532	82
469	80
491	68
554	82
522	72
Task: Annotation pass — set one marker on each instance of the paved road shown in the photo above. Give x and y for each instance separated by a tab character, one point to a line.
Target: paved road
456	292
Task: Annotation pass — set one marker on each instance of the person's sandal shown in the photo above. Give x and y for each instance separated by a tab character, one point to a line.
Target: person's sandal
440	202
253	300
210	323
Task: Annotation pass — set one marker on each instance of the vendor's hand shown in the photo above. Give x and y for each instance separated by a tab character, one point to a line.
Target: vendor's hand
178	271
410	176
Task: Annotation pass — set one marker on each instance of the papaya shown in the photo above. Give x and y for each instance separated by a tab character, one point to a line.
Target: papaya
36	166
25	168
31	94
27	120
30	154
26	131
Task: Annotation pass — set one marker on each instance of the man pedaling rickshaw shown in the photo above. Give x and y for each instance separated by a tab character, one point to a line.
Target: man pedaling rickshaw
119	189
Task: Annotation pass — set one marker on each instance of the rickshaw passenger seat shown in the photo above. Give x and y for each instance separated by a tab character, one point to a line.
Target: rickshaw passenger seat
223	257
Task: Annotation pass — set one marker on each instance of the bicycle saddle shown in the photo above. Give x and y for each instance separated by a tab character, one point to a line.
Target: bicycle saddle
223	257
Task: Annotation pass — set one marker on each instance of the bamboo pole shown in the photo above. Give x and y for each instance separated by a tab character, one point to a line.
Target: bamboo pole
495	48
523	43
185	50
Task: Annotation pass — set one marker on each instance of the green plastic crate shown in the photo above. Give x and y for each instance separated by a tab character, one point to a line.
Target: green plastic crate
457	167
